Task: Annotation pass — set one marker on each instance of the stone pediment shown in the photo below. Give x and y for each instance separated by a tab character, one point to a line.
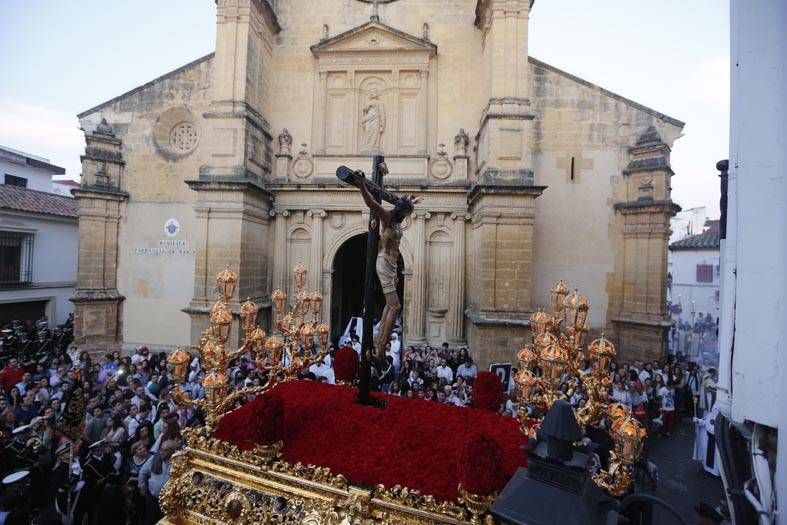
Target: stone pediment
373	36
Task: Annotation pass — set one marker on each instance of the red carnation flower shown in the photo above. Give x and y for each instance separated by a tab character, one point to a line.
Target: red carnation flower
270	420
487	392
345	364
480	467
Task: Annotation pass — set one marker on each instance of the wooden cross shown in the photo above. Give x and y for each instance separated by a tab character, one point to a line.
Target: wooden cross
573	163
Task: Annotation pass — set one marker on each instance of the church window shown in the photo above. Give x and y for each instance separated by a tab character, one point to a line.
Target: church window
183	137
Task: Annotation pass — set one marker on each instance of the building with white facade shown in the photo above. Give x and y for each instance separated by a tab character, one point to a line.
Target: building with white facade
752	385
685	223
694	268
39	240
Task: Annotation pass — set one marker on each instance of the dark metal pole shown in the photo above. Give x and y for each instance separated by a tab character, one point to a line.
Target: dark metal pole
723	167
370	283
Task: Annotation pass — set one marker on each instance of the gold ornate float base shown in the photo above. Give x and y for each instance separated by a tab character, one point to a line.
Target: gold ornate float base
214	482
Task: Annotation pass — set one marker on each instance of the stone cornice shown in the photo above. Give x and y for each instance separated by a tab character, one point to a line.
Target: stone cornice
647	165
99	192
627	208
93	295
502	187
482	319
229	184
240	109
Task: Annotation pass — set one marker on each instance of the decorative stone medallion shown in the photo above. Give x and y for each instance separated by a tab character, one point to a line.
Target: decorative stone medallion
303	166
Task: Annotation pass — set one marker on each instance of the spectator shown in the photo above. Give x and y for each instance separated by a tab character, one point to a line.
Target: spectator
467	370
152	477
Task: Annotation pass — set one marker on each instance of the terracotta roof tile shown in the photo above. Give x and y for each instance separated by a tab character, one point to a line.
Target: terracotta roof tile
707	240
34	201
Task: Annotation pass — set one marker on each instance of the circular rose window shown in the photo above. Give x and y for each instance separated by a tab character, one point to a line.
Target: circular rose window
183	137
176	133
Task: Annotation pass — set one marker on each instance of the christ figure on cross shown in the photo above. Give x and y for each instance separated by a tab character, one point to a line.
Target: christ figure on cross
388	258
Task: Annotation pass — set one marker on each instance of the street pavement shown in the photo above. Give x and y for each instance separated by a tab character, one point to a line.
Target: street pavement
683	482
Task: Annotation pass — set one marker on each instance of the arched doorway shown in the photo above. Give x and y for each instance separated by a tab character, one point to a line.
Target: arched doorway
347	282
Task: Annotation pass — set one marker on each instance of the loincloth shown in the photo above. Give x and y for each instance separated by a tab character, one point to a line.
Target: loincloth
386	272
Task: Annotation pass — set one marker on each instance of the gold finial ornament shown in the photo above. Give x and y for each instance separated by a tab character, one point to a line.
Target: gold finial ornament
248	316
601	352
300	272
226	281
279	299
558	292
179	363
539	322
220	320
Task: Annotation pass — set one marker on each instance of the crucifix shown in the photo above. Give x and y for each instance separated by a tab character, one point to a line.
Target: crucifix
349	176
381	257
375	11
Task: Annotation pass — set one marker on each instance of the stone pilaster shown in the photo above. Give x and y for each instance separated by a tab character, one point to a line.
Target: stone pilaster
415	316
456	309
279	262
315	265
97	302
639	313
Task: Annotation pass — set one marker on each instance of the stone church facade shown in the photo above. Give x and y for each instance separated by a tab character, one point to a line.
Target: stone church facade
527	174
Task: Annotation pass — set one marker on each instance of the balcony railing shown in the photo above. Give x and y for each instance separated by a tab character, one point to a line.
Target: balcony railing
16	258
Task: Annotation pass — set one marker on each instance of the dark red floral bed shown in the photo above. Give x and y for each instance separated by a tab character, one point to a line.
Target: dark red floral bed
421	445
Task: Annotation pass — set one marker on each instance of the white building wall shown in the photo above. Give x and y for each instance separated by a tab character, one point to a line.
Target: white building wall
689	293
753	331
37	178
54	265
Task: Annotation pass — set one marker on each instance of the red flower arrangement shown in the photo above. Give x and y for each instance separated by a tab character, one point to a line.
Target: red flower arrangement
345	365
487	392
480	466
412	443
260	422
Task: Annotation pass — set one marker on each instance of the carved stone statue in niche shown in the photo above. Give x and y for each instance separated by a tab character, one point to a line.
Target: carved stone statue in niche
461	141
285	142
373	122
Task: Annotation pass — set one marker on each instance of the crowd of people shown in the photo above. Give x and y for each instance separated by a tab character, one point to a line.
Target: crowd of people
119	458
697	340
109	464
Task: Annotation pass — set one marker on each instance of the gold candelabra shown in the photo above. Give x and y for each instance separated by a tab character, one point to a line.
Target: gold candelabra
277	357
551	368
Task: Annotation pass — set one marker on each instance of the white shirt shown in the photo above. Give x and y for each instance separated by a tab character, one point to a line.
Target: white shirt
445	372
357	348
151	481
394	356
322	370
467	371
667	399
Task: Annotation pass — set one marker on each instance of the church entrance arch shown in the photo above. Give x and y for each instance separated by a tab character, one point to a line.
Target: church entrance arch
347	286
